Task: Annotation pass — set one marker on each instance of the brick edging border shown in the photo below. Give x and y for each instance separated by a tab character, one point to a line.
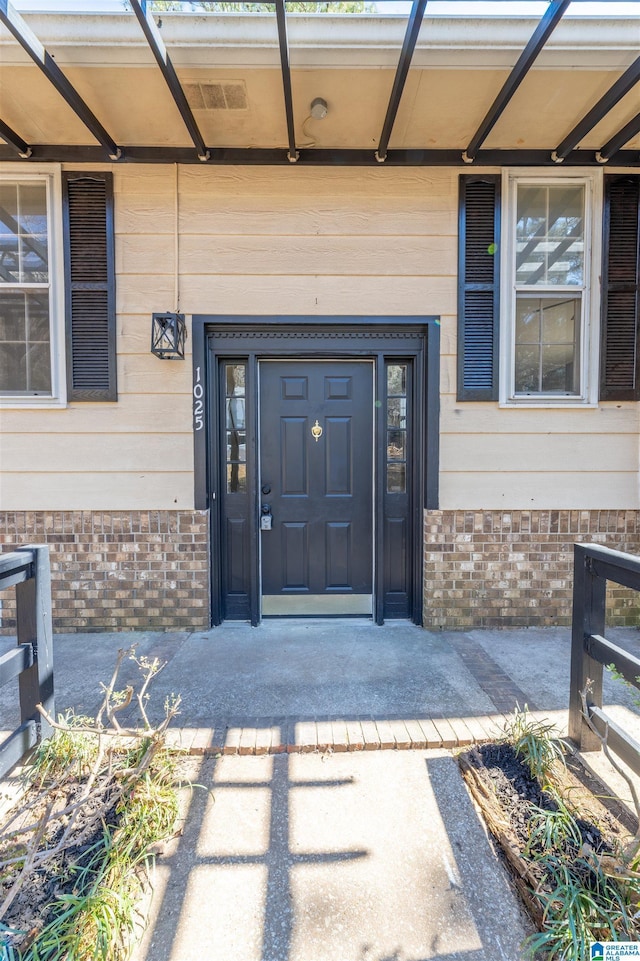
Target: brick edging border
336	736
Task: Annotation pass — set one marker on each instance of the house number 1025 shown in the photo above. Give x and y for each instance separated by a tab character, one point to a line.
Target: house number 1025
198	405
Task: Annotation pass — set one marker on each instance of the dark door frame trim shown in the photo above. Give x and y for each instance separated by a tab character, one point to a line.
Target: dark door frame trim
253	336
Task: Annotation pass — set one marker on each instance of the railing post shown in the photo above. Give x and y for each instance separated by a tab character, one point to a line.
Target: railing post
33	616
589	613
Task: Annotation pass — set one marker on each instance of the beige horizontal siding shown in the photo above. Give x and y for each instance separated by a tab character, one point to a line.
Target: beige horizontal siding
317	255
85	491
320	242
539	454
132	414
319	295
518	490
284	215
102	453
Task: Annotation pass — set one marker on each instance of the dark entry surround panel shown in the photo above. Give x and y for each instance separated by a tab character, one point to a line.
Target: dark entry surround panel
256	343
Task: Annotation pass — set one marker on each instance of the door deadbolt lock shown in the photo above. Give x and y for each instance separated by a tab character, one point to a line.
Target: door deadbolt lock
266	518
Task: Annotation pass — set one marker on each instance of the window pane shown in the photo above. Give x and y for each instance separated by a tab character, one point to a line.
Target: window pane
13	320
235	412
397	379
32	209
532	211
547	351
24	339
527	369
527	321
396	467
559	365
9	257
559	320
236	469
39	368
550	235
23	233
396	444
13	366
236	445
235	380
236	478
8	207
396	478
34	259
565	210
397	412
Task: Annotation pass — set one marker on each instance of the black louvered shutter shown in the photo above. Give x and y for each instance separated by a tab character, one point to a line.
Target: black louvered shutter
90	286
478	287
620	358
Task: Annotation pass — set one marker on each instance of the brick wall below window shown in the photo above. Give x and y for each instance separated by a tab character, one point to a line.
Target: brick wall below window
515	568
117	570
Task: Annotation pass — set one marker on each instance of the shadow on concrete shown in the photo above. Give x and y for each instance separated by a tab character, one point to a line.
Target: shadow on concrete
173	905
433	882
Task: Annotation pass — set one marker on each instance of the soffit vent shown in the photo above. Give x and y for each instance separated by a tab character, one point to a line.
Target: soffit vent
216	94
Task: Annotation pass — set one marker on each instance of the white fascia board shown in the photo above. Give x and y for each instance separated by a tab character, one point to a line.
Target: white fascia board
203	40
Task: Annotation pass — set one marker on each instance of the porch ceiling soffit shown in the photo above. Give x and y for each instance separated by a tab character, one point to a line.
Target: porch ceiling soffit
455	72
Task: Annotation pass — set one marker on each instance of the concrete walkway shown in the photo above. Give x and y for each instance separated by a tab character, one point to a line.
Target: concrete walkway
311	842
350	857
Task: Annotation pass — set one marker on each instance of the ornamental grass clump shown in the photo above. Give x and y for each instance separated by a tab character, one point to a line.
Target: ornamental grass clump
100	800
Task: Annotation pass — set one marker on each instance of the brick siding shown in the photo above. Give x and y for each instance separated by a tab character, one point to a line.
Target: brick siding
149	570
117	570
515	568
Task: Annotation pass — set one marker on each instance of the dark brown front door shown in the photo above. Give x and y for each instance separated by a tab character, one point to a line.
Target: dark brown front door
316	482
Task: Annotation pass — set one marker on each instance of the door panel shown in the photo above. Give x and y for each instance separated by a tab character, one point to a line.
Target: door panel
339	457
294	556
338	535
316	449
293	457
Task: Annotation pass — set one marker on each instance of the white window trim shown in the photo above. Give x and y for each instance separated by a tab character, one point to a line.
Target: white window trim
51	174
590	328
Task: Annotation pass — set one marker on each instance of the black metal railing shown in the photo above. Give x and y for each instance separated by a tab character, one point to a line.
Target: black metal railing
31	661
590	649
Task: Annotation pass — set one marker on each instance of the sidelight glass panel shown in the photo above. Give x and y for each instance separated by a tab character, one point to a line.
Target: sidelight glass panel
396	449
396	444
397	411
235	413
235	428
235	379
236	478
396	478
397	380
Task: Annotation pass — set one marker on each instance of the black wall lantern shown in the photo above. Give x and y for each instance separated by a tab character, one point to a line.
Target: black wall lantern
168	334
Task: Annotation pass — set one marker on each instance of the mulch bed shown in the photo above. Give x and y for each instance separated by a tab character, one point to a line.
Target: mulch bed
32	907
508	797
